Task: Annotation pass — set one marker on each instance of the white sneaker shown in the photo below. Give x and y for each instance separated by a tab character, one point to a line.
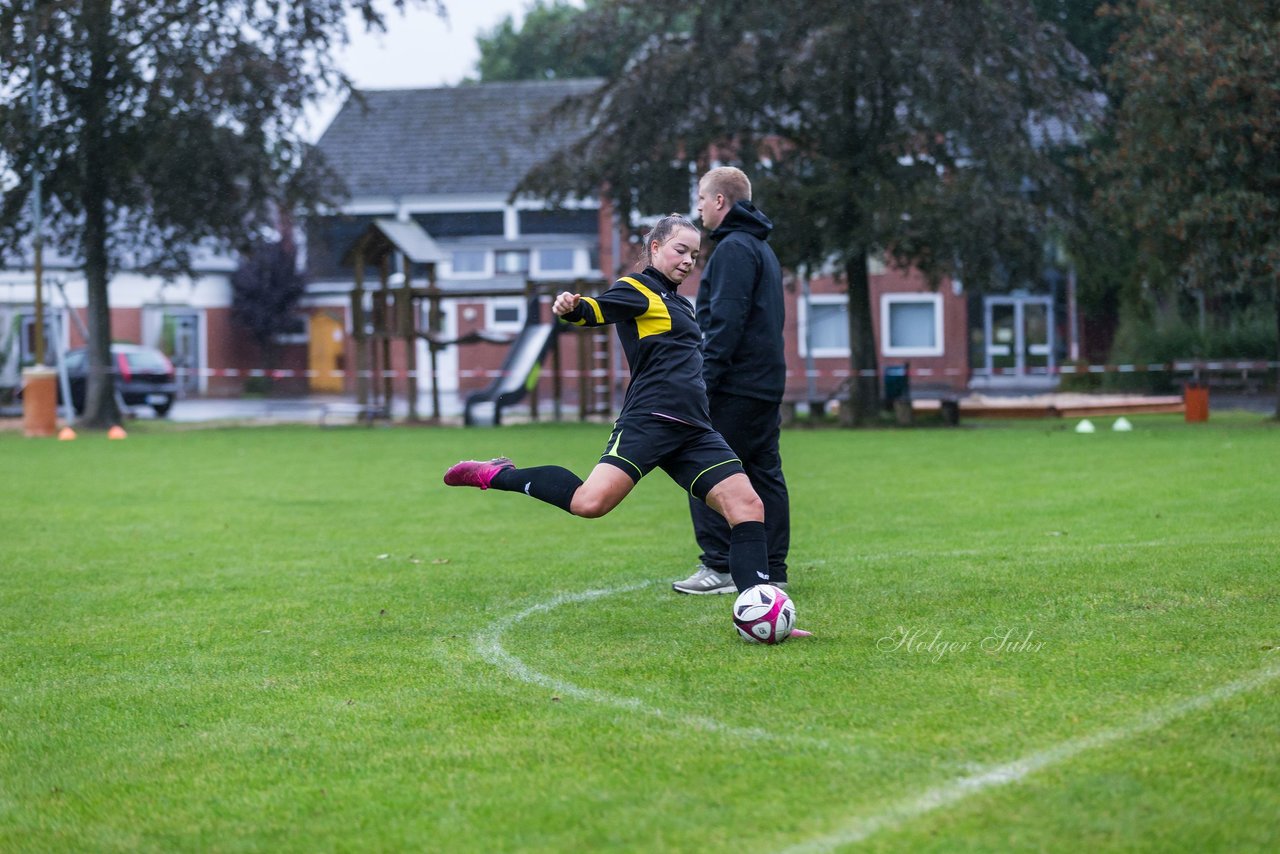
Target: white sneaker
705	581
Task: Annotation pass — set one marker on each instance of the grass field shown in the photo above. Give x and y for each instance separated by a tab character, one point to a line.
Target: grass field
296	639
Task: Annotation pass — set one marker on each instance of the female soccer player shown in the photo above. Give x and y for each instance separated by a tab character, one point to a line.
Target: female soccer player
664	422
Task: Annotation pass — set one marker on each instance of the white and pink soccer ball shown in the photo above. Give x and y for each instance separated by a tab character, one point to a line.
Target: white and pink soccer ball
764	614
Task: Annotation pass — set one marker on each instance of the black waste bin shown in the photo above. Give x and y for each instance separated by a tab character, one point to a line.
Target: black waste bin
897	384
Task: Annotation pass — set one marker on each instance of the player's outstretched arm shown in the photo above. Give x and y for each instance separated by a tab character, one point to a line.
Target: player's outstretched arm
565	303
621	302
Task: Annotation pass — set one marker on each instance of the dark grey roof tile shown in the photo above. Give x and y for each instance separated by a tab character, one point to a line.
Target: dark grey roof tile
471	138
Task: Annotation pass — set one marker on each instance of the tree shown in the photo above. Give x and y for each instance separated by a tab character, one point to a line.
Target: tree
1099	248
547	45
1086	27
918	130
265	290
166	125
1195	170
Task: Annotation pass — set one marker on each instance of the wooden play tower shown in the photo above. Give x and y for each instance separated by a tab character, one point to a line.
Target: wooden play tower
385	314
392	311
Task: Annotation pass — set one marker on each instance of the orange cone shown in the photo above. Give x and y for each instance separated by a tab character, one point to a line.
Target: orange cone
116	432
66	434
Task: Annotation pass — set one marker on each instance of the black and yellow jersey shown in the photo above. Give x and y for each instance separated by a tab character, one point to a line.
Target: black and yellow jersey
662	341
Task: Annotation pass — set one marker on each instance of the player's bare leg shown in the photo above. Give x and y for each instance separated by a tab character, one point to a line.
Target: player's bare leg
602	491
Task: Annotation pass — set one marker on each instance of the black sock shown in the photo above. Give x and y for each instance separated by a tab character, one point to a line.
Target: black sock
552	484
748	555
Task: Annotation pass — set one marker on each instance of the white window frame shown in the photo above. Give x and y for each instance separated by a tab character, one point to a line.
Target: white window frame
528	262
574	255
820	352
491	307
486	272
887	302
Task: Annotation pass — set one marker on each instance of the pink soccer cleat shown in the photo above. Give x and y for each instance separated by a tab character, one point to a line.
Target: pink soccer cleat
476	472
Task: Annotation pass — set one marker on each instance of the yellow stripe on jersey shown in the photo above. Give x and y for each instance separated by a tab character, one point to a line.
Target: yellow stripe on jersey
656	319
595	311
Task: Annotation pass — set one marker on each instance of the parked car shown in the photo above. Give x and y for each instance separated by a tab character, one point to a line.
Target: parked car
144	377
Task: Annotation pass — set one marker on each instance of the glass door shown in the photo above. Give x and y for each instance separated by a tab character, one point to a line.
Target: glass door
175	332
1019	335
1037	325
182	344
1003	348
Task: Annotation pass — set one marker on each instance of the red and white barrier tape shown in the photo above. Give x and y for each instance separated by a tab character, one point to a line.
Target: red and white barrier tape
1182	367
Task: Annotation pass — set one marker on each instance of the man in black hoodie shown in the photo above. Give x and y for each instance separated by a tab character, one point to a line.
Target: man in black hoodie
740	311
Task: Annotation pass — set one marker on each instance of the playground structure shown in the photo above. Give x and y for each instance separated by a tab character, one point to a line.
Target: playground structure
520	369
390	312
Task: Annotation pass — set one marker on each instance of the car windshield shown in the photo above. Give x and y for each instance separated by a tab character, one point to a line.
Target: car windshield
146	362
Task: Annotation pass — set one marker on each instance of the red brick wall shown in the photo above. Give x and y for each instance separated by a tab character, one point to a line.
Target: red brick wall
126	325
952	367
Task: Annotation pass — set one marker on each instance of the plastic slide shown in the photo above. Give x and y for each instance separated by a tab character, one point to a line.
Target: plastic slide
519	373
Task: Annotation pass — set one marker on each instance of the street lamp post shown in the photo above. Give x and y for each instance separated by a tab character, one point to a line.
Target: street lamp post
39	383
36	190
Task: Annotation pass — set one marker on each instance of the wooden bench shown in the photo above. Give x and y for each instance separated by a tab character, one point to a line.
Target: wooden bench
323	411
361	413
943	399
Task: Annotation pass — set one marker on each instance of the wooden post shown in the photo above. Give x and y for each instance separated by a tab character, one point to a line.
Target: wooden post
385	329
434	326
534	305
557	388
358	332
404	302
584	374
375	362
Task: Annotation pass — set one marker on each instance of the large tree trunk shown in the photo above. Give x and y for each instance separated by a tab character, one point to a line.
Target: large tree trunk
864	390
100	410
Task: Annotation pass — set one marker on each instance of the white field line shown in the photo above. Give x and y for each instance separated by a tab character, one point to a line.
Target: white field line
1048	548
489	645
954	791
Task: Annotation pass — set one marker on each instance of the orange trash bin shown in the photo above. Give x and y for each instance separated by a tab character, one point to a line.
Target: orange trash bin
1195	400
39	401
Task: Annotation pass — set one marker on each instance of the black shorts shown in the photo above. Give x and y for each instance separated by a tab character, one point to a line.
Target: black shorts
695	457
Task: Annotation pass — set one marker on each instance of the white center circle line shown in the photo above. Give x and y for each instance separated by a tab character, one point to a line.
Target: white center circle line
489	645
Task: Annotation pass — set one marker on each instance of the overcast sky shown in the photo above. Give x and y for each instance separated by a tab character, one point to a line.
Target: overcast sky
419	49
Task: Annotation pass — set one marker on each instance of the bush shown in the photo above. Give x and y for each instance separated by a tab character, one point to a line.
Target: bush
257	386
1174	334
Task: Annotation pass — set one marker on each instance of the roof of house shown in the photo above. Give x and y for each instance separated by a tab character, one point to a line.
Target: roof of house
471	138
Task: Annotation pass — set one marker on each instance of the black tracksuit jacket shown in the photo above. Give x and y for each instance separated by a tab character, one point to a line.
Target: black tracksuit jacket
741	310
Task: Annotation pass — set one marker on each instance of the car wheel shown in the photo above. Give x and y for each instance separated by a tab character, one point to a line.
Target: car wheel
162	409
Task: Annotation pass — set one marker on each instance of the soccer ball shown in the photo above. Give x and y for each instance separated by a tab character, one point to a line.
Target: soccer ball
764	614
